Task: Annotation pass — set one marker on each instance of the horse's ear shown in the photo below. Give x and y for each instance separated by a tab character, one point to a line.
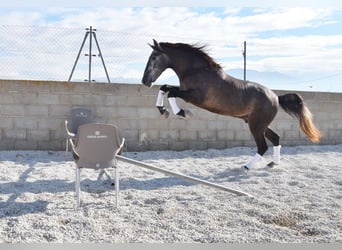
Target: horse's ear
156	46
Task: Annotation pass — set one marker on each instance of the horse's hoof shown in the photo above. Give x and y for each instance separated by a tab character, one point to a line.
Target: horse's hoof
163	111
271	164
184	113
188	114
165	114
244	170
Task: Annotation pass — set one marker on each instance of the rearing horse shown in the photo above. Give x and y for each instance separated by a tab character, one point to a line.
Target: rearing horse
204	84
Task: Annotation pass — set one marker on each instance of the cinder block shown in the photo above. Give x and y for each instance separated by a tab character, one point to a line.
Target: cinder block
335	133
243	135
37	110
38	135
282	124
217	144
37	86
185	135
169	134
59	110
113	100
225	135
72	99
179	145
12	110
50	123
25	145
207	135
137	101
203	114
130	134
217	124
95	99
159	124
148	136
15	134
56	135
50	145
161	146
6	144
16	97
147	113
196	124
6	122
125	123
47	98
235	124
25	123
292	134
198	145
10	86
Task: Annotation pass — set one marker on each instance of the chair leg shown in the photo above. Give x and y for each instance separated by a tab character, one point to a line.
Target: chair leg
66	149
78	188
107	175
104	172
99	177
117	186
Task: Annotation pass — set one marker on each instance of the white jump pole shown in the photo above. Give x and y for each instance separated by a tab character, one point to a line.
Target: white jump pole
188	178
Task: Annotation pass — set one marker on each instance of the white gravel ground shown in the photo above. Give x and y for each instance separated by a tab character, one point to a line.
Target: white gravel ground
297	201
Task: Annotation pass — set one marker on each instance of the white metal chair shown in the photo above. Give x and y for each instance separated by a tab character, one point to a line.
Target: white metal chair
96	147
79	116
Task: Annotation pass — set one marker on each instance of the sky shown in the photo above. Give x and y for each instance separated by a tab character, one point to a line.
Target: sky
290	44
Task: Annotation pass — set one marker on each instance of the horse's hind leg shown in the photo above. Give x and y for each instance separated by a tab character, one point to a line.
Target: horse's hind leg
274	138
258	130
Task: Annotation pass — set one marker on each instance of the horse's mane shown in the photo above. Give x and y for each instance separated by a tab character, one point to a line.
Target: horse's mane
197	50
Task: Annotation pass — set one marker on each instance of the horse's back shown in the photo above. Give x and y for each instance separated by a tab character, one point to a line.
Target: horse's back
250	96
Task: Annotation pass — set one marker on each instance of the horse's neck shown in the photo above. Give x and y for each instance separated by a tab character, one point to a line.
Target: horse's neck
184	64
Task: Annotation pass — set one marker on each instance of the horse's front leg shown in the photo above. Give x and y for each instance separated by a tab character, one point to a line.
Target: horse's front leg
173	92
160	101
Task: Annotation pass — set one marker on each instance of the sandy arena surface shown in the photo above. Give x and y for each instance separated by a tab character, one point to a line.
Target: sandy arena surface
297	201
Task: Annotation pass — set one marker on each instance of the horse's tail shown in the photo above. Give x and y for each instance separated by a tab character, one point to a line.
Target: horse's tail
294	105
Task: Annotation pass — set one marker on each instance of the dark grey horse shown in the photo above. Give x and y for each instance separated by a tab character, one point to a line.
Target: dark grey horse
204	84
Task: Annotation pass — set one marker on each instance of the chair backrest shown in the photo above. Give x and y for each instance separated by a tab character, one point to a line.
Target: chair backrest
96	145
80	116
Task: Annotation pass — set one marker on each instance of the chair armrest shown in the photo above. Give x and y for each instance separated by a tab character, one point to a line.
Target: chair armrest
73	148
120	149
70	134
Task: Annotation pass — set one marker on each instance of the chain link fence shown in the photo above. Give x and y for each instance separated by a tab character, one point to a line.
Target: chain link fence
49	53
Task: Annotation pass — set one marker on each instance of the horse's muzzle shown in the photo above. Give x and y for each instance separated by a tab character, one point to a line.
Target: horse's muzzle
146	82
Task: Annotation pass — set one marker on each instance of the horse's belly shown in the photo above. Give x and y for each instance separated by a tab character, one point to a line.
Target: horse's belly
226	108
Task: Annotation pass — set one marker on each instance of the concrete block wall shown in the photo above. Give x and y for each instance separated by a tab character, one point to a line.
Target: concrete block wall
32	115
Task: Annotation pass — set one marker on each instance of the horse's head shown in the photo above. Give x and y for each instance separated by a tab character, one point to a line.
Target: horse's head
157	63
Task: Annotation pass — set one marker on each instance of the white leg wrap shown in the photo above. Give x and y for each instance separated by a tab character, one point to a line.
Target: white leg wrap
256	158
276	154
160	99
173	104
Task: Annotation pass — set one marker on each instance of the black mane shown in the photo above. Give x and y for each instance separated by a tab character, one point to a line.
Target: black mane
197	50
